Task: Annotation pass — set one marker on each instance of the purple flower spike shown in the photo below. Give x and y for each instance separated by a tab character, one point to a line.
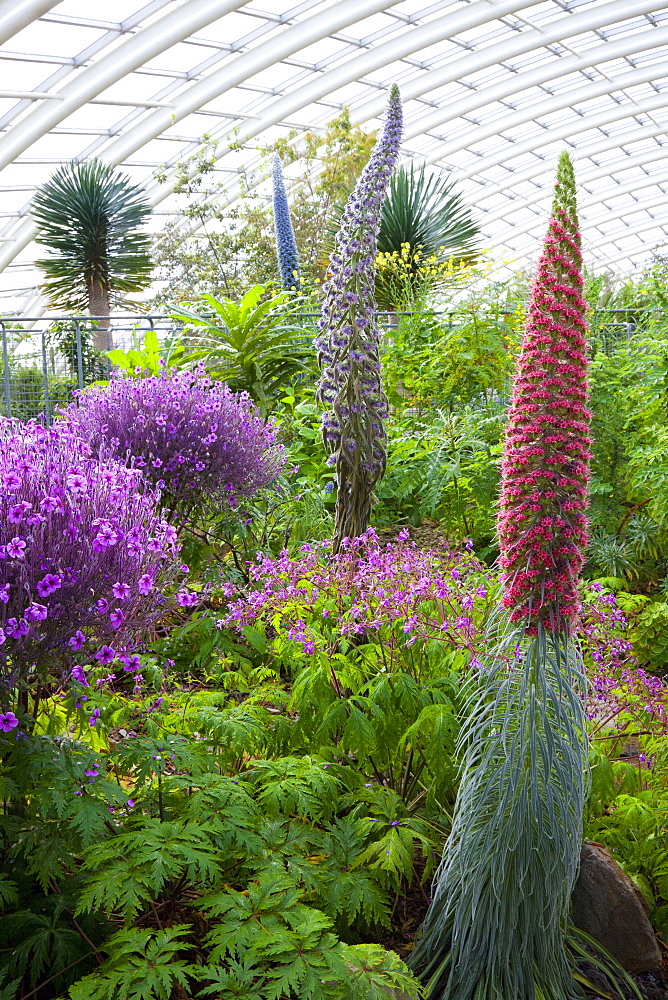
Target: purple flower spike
350	387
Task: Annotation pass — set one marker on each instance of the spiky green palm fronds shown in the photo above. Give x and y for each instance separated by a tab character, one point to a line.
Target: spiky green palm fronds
89	216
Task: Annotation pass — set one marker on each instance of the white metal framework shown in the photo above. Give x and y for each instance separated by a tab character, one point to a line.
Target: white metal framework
493	89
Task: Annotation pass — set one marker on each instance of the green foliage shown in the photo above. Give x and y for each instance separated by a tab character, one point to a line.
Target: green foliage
88	215
426	213
255	345
628	812
143	965
227	259
151	359
649	636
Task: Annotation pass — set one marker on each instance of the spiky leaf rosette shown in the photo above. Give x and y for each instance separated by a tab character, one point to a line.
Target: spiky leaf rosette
496	926
543	526
350	386
286	246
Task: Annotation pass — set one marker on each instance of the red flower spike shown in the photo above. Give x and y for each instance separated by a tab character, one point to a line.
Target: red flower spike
545	467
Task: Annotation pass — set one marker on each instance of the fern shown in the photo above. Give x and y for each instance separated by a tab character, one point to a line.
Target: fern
143	965
133	868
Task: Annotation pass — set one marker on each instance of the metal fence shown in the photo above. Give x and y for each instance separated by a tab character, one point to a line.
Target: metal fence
45	359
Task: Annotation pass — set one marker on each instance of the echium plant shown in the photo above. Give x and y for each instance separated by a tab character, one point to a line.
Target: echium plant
84	556
202	444
350	386
286	246
496	926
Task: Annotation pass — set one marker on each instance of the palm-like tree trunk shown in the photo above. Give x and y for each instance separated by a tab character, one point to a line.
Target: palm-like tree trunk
98	305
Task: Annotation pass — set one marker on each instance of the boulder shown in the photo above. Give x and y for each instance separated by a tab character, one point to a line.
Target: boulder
607	905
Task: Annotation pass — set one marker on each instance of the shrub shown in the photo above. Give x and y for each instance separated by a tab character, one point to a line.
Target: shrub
82	553
194	438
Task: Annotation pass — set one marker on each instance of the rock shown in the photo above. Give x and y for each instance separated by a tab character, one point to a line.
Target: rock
607	905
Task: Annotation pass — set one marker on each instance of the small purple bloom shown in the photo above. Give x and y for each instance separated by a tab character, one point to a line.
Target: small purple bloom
8	721
105	655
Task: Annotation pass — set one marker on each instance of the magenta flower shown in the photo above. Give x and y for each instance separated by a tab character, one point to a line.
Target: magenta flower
545	467
78	675
130	662
145	584
117	618
187	599
57	574
94	717
16	548
121	591
105	655
77	641
8	721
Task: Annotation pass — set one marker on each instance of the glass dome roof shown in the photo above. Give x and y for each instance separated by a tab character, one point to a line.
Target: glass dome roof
493	89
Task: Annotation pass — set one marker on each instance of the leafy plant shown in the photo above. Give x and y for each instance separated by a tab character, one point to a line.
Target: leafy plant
255	345
151	359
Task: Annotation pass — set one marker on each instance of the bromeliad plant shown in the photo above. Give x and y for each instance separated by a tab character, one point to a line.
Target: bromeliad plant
286	247
350	386
202	444
496	927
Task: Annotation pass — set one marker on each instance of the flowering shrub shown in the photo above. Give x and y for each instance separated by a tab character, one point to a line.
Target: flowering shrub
350	386
83	553
194	438
393	594
620	695
543	527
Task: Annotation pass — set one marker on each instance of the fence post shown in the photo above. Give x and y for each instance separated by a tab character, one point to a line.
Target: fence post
45	372
5	373
77	329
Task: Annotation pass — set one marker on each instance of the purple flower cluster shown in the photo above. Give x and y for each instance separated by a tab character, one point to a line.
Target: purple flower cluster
201	444
350	387
620	693
393	593
83	553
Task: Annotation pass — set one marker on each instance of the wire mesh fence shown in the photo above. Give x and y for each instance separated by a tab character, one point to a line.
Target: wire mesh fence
45	359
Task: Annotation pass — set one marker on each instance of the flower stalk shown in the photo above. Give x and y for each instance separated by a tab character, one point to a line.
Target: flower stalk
496	928
350	387
286	245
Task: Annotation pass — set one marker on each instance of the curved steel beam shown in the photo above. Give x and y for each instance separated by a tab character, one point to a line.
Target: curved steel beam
582	179
574	24
573	127
601	16
575	95
125	58
616	141
478	13
599	199
263	56
398	48
626	254
14	17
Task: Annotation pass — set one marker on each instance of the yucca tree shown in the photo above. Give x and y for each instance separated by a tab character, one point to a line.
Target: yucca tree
90	216
426	211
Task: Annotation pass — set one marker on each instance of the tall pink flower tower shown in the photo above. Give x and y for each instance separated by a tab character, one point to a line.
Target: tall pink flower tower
496	928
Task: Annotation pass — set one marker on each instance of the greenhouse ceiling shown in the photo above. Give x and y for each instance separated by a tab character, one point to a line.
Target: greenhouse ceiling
493	89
